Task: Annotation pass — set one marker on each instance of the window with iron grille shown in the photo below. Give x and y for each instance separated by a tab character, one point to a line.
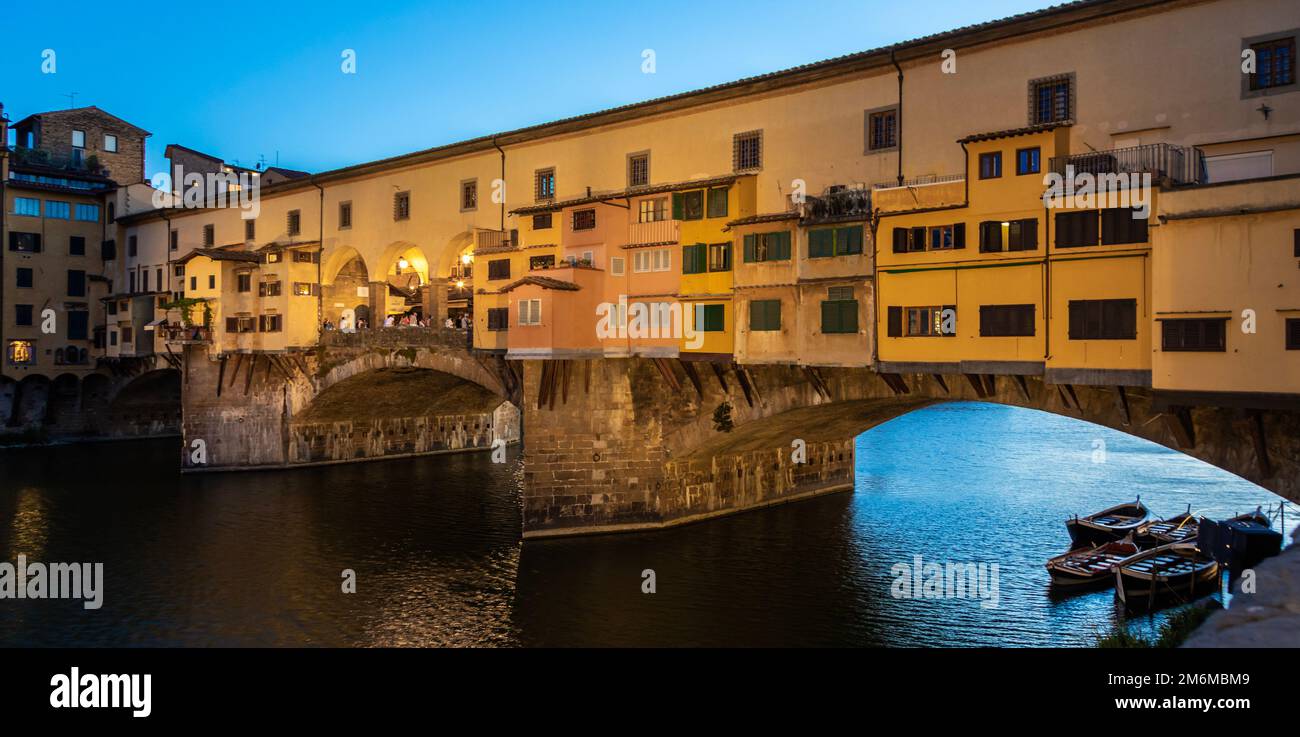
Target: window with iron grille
294	222
747	150
345	215
638	169
1274	63
469	195
250	229
882	129
498	318
1103	319
1193	334
1051	99
542	221
544	184
209	235
584	219
1006	321
499	269
402	206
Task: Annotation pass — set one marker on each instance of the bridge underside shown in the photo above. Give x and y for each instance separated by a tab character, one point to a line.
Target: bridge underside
629	444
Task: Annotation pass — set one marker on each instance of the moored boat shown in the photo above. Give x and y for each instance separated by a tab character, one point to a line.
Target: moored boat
1169	574
1088	567
1176	529
1108	524
1240	542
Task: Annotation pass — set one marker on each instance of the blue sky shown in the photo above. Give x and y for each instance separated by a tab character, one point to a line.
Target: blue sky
428	73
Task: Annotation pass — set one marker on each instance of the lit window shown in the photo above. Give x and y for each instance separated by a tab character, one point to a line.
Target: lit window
22	352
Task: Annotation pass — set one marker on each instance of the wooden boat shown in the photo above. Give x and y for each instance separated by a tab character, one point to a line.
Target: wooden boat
1169	574
1240	542
1177	529
1108	524
1094	566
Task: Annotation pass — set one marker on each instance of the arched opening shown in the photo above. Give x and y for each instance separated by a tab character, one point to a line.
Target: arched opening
406	278
29	401
62	414
149	405
345	286
96	391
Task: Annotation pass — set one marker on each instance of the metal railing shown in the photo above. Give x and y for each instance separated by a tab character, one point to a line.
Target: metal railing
838	204
1163	161
183	334
489	239
920	181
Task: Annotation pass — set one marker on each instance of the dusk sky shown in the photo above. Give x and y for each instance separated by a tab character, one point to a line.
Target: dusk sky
267	82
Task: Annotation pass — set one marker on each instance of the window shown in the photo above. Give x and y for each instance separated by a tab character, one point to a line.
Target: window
268	289
345	215
132	246
617	265
212	281
469	195
1103	319
21	352
108	250
656	259
1074	229
1193	334
110	143
27	206
78	139
499	269
76	246
1122	225
765	315
840	311
530	312
925	321
244	282
718	202
767	246
720	257
305	289
1295	247
1274	63
242	324
541	262
695	259
713	318
178	271
747	151
652	211
498	318
144	278
1293	334
22	314
127	335
173	240
542	221
87	213
269	323
24	242
1028	160
826	242
250	229
194	285
584	219
1013	235
638	169
112	338
402	206
76	283
688	205
305	257
58	210
23	277
294	222
209	235
1006	320
78	325
544	184
882	130
991	165
1051	99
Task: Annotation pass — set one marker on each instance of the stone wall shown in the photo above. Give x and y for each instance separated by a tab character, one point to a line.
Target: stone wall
352	441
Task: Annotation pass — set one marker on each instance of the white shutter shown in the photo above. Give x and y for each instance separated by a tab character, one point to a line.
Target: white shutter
616	266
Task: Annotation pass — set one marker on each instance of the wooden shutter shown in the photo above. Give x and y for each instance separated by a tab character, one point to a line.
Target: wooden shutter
895	329
1029	234
830	317
677	205
918	239
849	240
782	245
900	240
959	235
821	243
1297	242
749	247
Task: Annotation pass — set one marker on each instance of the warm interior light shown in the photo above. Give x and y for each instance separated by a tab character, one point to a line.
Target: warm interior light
402	263
466	258
1006	224
460	284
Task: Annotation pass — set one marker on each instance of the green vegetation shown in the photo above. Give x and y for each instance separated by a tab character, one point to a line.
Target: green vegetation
1173	632
185	305
722	418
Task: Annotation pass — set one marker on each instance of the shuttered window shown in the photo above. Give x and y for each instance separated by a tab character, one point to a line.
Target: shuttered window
826	242
1193	334
1074	229
1103	319
925	321
1293	334
530	312
1122	225
688	205
77	283
720	257
765	314
715	318
294	224
498	318
767	246
1006	320
695	258
718	202
840	311
499	269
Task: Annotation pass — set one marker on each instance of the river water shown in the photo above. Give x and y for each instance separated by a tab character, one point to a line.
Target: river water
257	558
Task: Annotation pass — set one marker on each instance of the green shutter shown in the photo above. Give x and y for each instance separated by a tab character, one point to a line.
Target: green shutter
701	258
782	246
677	206
765	315
718	203
749	247
848	240
715	317
830	318
821	243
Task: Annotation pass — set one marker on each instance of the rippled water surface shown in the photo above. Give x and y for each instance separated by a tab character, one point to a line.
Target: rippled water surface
256	558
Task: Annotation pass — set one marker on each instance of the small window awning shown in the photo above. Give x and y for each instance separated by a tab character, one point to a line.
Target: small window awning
155	323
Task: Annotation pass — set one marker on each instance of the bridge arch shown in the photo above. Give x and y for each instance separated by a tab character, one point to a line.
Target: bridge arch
150	404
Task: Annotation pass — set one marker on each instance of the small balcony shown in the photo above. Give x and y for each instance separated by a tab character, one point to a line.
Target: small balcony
838	203
183	335
486	240
659	231
1163	161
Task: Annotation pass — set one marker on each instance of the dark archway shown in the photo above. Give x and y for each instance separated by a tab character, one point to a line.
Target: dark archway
149	405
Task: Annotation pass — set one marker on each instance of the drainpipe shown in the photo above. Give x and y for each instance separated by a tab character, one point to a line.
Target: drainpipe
502	226
894	61
320	258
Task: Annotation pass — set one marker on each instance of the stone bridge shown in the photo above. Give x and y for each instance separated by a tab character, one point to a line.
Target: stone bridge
633	444
379	393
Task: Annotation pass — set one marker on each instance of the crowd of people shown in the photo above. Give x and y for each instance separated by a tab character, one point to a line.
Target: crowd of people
407	320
